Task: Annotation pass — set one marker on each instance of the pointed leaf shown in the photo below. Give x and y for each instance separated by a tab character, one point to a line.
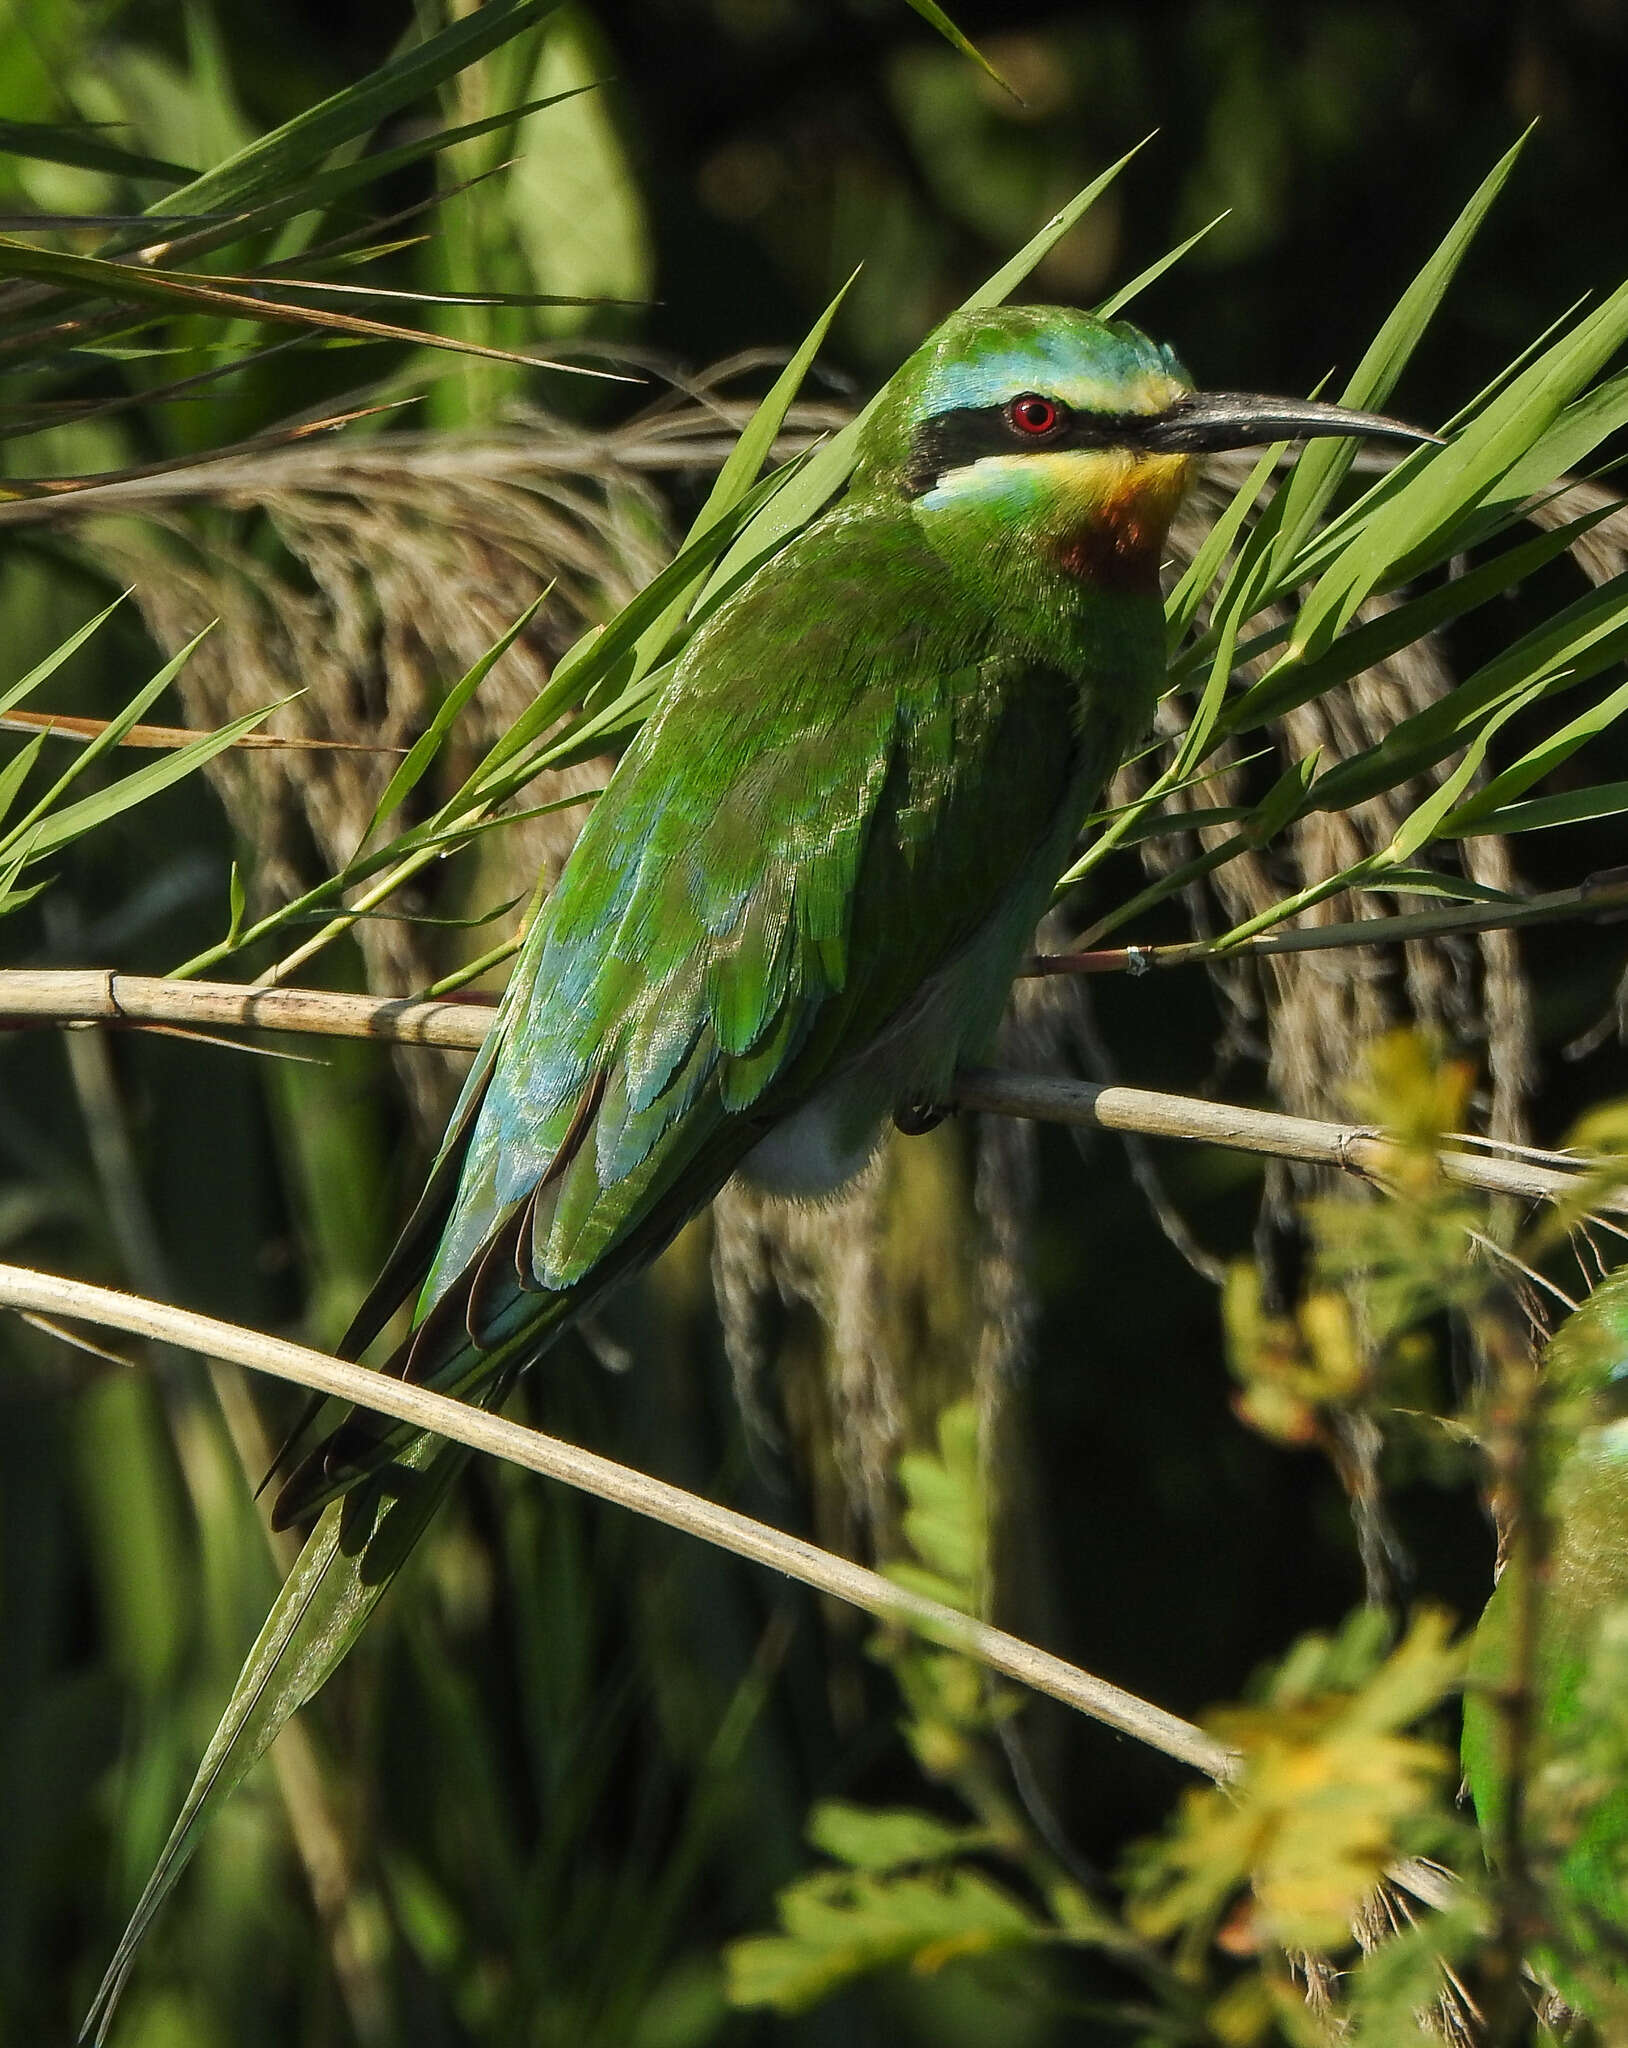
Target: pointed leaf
338	1579
428	744
53	142
1325	462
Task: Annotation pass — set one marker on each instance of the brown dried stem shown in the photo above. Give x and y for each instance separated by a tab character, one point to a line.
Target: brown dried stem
81	996
48	1294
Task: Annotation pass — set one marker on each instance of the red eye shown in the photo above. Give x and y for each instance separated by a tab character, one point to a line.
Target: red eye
1032	414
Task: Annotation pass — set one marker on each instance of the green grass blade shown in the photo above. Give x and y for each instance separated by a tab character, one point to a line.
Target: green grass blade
1574	437
78	818
429	743
111	734
1562	652
181	292
53	661
828	468
1542	759
1319	473
1291	683
1421	824
1116	301
336	1582
935	17
1181	607
1539	814
1427	882
1441	483
320	189
285	157
55	143
15	773
737	476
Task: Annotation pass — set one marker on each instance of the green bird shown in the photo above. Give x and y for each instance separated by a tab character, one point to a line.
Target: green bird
1575	1810
801	902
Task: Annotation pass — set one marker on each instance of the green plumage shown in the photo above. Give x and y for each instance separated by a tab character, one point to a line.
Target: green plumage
800	903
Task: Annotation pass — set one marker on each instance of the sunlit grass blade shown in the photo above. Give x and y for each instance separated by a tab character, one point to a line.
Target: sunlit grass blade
55	142
16	773
1569	443
429	743
1542	813
737	476
1442	482
111	734
53	661
1319	472
1423	822
935	17
1117	301
60	827
1561	653
1181	607
317	190
1541	760
284	158
1295	682
337	1581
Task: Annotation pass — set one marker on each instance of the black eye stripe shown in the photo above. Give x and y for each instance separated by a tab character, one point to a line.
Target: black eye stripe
963	435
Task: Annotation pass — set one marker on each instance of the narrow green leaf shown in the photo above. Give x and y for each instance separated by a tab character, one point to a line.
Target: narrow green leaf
1419	827
54	660
1181	607
285	156
737	476
110	735
1285	800
15	772
318	189
180	291
1580	429
1441	482
336	1582
429	743
1542	759
935	17
828	468
1117	301
1558	654
1292	683
599	654
75	819
1325	463
1539	814
237	903
56	143
1427	882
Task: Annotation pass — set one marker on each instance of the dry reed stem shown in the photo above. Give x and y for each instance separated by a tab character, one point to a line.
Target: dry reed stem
99	995
49	1294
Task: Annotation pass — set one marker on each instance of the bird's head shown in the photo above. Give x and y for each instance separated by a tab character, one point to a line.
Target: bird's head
1066	438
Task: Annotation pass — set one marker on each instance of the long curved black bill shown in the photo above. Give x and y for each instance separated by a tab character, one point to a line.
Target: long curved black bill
1210	421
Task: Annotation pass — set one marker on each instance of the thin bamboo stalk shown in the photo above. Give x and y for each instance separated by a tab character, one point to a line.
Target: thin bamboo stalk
80	996
49	1294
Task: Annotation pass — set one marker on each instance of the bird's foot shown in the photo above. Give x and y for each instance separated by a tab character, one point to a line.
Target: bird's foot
917	1118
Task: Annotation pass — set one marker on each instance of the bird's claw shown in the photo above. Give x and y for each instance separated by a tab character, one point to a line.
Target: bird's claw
916	1118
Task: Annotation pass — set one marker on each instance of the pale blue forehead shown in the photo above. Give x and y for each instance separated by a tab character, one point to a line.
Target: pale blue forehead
1098	371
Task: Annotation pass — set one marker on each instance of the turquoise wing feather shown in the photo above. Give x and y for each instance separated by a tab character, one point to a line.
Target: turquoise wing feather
819	816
